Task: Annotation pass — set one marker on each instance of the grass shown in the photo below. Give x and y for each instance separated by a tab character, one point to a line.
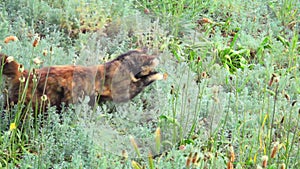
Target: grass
231	98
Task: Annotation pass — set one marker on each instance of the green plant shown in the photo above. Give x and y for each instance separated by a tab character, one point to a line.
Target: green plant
286	11
232	58
266	44
202	114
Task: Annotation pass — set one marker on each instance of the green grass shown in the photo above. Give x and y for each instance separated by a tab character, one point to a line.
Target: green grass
233	84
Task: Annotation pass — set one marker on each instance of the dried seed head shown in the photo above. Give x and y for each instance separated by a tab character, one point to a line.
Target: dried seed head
33	71
158	133
229	165
206	20
45	52
22	79
9	59
204	75
216	154
98	155
135	145
34	79
294	102
198	59
282	166
272	79
150	159
74	61
124	154
51	50
21	68
158	139
195	159
276	79
264	161
189	160
10	38
37	61
287	97
215	99
231	154
36	41
282	120
165	76
274	150
44	97
172	89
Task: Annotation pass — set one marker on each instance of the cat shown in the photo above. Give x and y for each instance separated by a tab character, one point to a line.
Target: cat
118	80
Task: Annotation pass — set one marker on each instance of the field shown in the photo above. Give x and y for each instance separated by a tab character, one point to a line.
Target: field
230	99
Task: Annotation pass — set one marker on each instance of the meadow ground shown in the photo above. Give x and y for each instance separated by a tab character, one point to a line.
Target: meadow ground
230	99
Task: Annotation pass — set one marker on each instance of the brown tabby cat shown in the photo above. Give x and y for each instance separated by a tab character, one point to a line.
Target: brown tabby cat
118	80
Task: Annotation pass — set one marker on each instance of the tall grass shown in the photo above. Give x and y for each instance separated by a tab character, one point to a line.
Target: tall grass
230	98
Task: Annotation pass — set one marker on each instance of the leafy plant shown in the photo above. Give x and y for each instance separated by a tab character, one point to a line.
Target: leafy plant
232	58
200	116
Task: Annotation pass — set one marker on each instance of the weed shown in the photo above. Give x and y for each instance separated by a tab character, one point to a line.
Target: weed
234	59
221	106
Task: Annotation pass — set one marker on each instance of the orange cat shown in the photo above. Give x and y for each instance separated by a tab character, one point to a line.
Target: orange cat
118	80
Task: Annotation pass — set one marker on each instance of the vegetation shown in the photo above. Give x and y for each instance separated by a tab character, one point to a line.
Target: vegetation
230	98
